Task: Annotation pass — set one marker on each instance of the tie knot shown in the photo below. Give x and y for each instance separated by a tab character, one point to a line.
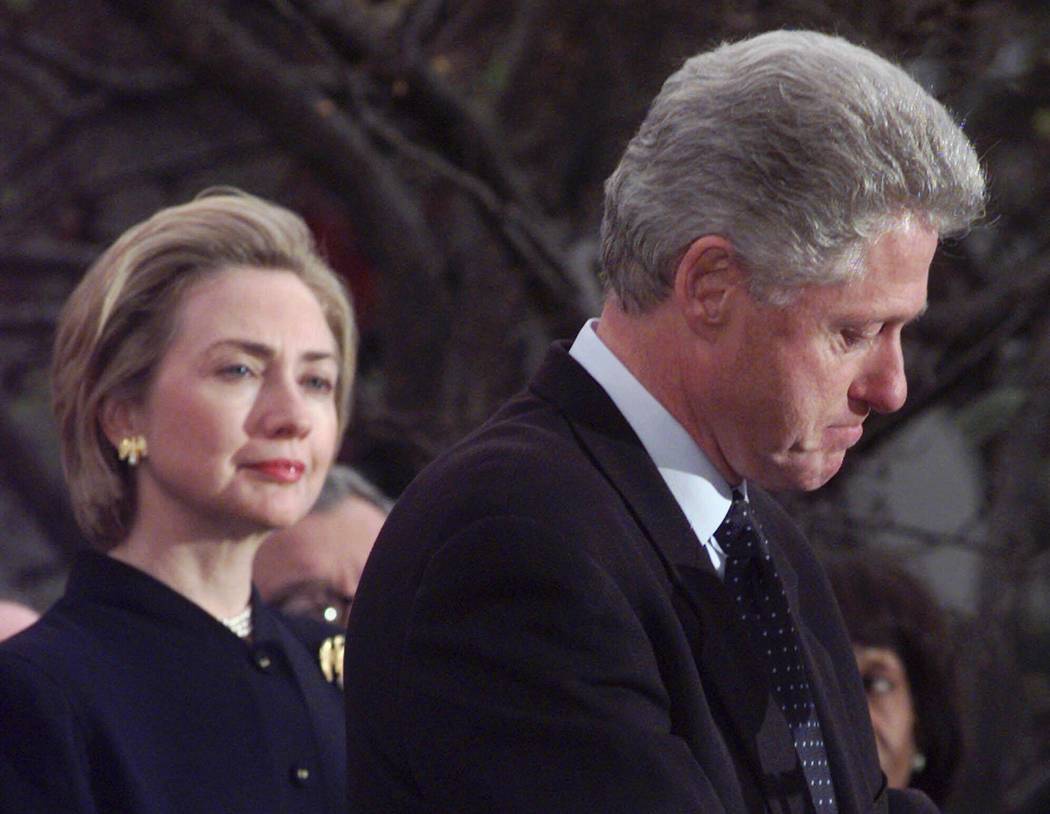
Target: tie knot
737	535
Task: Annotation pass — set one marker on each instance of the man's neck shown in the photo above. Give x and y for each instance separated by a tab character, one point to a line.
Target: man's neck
659	351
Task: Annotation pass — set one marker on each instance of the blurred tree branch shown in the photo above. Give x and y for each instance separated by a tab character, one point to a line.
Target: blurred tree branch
146	82
471	153
309	122
44	496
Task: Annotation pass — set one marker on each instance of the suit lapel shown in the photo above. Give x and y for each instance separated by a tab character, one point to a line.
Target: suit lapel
734	679
831	713
732	675
824	684
609	441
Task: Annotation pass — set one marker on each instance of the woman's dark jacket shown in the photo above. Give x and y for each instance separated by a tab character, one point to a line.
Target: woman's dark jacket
127	697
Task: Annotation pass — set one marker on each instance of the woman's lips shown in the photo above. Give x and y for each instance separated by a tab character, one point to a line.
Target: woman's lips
279	470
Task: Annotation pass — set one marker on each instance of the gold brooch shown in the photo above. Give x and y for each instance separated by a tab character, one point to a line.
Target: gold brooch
331	657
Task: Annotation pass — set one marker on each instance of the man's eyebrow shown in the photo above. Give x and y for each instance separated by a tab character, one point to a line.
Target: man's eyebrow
265	352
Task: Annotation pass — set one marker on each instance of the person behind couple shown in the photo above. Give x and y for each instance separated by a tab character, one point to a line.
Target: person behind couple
543	623
201	380
906	654
312	568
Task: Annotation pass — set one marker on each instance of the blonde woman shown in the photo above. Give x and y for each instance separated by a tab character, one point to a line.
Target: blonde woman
201	380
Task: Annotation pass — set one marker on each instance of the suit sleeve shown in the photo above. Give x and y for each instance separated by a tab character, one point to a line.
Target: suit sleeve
529	684
43	762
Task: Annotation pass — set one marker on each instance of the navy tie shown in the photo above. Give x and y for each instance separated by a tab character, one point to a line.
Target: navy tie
752	578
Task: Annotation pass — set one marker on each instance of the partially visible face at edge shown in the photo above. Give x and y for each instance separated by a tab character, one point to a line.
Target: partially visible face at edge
892	711
795	384
313	567
14	618
240	417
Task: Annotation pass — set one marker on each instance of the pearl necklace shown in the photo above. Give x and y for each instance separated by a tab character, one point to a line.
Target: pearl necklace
241	624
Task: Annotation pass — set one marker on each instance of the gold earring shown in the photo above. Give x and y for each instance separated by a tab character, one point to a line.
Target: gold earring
132	448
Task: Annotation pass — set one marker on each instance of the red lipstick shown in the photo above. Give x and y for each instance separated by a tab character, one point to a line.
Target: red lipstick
279	470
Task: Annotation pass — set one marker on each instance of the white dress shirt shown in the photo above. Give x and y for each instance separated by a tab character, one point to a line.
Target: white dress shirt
697	486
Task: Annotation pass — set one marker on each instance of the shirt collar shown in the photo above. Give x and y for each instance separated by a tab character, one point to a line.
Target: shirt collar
698	487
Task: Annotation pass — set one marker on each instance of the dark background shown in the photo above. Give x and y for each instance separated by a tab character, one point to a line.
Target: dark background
450	155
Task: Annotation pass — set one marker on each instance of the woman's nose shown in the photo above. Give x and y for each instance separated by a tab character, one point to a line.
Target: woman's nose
284	412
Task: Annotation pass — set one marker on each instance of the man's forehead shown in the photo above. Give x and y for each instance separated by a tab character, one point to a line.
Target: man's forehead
893	288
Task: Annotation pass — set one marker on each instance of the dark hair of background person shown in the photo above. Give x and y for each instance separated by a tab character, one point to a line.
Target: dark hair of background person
886	606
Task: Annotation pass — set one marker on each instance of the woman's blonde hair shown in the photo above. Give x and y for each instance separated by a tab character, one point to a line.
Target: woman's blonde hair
119	321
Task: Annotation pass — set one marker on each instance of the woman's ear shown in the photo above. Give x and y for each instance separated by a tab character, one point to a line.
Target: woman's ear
118	420
705	280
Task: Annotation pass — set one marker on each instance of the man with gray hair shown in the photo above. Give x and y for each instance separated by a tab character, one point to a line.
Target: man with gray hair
592	603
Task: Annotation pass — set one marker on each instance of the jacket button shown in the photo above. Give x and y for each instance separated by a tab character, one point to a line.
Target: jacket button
300	775
263	661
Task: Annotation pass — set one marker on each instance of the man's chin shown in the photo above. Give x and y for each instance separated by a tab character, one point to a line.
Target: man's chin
805	474
832	465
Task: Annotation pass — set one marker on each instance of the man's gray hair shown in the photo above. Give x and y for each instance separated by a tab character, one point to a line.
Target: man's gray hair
343	482
800	149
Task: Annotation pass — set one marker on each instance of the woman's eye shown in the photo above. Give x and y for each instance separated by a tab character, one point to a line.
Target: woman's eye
236	371
320	384
878	685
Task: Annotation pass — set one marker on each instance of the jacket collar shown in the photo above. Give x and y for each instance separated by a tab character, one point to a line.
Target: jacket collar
720	646
618	453
729	667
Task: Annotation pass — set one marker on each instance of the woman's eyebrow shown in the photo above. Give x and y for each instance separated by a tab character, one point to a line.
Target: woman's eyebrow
263	351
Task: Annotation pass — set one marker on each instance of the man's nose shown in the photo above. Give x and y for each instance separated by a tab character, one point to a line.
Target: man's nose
883	385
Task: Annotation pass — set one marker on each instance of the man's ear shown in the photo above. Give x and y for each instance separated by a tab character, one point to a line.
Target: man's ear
704	280
118	420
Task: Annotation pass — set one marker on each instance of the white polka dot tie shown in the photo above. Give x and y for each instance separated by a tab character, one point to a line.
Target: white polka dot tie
752	578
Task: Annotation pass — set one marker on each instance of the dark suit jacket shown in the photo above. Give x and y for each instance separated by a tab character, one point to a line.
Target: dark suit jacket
127	698
539	630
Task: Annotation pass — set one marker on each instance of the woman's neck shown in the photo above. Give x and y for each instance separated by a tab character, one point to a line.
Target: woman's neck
214	574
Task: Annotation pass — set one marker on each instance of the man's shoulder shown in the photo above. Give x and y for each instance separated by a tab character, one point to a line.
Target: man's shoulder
528	451
527	463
